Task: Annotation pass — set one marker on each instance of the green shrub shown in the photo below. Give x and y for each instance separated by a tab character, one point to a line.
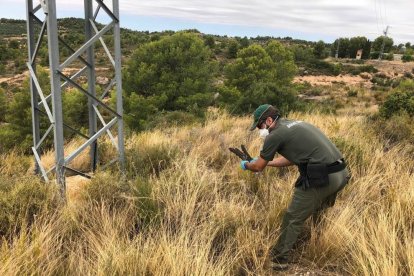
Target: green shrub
322	67
400	100
3	105
352	93
407	58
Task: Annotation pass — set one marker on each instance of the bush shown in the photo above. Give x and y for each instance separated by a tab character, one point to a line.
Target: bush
407	58
352	93
3	105
400	100
324	68
356	70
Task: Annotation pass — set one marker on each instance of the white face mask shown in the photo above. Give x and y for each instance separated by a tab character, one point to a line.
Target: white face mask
263	133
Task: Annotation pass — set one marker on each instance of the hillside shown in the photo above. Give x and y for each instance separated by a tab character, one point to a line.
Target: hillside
186	208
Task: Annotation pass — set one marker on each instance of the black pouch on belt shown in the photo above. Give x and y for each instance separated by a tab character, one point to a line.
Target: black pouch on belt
317	175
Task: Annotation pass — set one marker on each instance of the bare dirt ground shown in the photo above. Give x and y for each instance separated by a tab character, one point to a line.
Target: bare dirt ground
330	80
17	80
392	69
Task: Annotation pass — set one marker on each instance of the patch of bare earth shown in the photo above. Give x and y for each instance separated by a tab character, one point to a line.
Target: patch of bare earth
330	80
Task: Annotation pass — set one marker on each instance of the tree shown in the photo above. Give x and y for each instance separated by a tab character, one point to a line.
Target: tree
260	75
233	47
343	47
253	64
377	44
357	43
285	68
319	49
244	42
173	73
366	52
302	53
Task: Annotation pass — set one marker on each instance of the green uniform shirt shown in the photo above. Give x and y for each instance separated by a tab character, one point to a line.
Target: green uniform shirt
299	142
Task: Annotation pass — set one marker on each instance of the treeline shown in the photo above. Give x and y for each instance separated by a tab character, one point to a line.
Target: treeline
348	48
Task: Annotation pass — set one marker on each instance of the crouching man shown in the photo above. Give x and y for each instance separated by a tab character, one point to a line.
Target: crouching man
322	168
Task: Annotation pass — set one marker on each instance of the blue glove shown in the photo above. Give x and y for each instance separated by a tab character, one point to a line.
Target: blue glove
243	164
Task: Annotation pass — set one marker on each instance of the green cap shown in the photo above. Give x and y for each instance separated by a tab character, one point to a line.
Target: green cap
258	114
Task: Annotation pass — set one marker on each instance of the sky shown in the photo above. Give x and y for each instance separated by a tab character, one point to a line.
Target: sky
303	19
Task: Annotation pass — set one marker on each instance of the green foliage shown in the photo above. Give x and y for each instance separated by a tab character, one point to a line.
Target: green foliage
256	64
356	70
18	132
285	98
400	100
352	93
285	68
259	75
302	54
344	44
407	58
319	49
232	48
75	108
322	67
377	44
382	80
357	43
252	65
209	41
3	105
18	129
174	73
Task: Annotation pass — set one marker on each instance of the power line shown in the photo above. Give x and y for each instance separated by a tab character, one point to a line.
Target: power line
376	15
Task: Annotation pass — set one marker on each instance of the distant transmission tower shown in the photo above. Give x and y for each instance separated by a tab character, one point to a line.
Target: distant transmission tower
383	43
60	81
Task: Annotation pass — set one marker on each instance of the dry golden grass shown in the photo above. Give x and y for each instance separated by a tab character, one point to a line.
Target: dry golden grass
199	214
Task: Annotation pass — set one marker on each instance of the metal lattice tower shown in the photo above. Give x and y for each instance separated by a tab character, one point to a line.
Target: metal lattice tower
85	54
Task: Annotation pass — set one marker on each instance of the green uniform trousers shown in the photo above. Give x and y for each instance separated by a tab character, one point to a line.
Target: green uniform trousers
304	204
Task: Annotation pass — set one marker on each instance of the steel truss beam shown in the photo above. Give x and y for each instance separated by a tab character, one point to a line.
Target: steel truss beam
59	82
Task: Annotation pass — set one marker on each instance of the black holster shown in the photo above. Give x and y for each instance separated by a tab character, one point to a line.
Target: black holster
316	175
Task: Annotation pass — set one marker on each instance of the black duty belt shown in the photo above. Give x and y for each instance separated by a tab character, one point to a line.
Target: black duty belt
336	166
